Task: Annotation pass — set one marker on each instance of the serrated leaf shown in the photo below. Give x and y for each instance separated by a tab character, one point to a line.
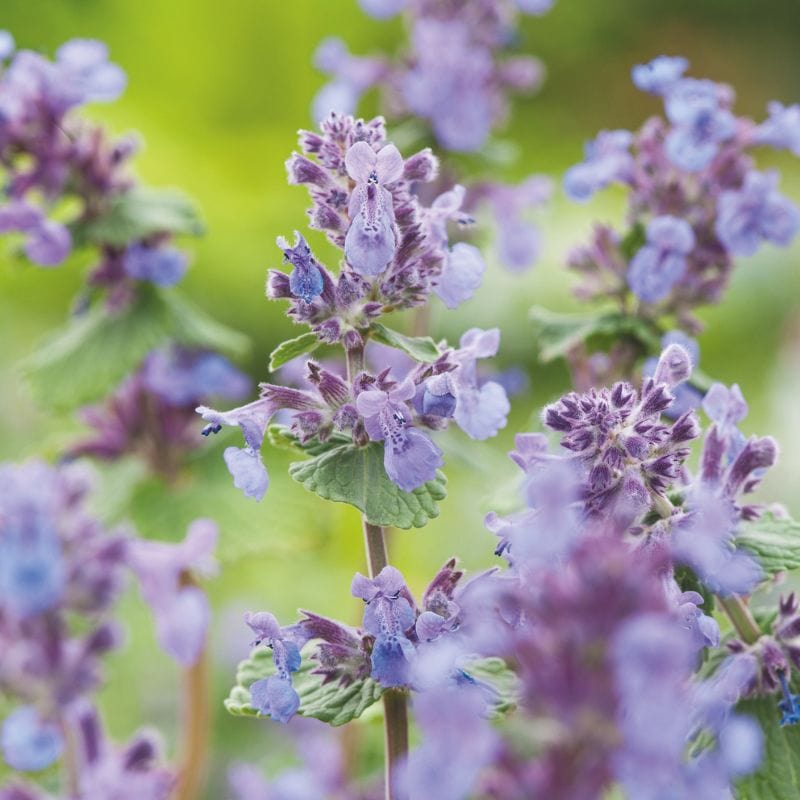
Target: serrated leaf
355	475
140	212
557	334
286	351
420	348
778	777
93	352
504	682
328	702
774	541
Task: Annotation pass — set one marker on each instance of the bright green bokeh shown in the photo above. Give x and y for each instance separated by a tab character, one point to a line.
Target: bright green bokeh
218	91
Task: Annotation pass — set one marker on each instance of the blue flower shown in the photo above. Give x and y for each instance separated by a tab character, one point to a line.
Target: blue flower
6	44
481	408
661	263
84	66
700	121
47	243
789	706
275	696
370	241
306	280
382	9
409	456
29	743
31	564
387	616
782	129
660	74
608	159
163	266
757	212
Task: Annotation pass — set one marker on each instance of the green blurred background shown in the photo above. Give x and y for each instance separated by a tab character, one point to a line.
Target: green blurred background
218	92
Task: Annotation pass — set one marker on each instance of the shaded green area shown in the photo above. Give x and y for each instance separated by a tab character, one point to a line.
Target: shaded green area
218	92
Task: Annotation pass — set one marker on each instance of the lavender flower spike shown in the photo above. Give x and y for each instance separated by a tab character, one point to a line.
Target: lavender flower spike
370	242
387	616
409	456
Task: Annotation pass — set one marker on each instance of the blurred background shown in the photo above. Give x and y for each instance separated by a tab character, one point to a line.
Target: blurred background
218	92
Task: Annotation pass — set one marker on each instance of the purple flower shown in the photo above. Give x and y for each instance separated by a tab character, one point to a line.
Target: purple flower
700	123
163	266
370	242
275	696
6	45
726	407
409	456
449	83
659	75
535	7
32	569
84	64
481	408
181	377
782	129
351	77
387	616
704	541
608	160
382	9
687	397
181	609
757	212
661	263
305	281
29	743
461	274
47	243
631	458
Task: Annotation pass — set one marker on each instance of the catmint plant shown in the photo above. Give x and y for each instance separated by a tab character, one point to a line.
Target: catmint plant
696	202
370	431
454	77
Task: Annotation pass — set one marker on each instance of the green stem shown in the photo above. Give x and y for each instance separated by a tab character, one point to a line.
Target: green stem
740	615
395	702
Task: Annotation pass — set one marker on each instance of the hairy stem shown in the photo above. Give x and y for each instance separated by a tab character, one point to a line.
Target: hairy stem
195	728
395	702
70	759
740	615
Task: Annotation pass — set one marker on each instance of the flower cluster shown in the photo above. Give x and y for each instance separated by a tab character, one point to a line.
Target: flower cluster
152	412
53	162
456	73
696	199
55	561
396	250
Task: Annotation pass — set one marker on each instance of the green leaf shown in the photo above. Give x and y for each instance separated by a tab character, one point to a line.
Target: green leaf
328	702
420	348
635	239
91	354
778	777
355	475
140	212
286	351
557	334
192	326
774	541
503	680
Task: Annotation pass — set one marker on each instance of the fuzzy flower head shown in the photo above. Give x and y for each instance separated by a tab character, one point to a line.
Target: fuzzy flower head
628	454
